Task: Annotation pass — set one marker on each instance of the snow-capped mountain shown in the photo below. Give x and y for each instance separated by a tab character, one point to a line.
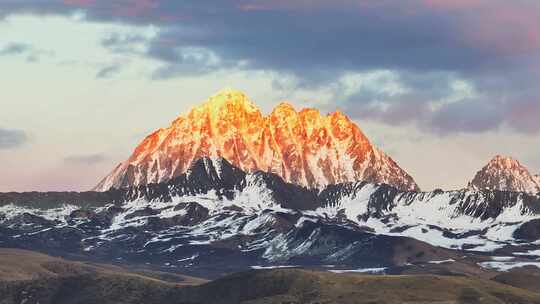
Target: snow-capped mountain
216	217
303	147
505	174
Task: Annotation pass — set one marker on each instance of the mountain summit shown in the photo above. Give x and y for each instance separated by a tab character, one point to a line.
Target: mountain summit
305	147
505	174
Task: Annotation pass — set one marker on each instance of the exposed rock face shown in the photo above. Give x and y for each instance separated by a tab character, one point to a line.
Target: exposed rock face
304	148
505	174
529	231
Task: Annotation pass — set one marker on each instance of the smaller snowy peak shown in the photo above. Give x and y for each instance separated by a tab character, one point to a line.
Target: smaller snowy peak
505	174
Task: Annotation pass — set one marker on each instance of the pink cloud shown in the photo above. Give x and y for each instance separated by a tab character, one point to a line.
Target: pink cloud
136	7
120	8
455	4
507	27
80	2
525	115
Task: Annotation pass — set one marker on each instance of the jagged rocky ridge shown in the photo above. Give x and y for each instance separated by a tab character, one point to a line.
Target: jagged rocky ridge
302	147
217	218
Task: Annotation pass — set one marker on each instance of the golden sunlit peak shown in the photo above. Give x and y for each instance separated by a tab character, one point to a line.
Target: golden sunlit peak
229	96
288	142
338	114
310	112
284	106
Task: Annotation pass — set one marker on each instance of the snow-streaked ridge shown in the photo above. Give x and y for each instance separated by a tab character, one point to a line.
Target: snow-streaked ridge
415	215
215	202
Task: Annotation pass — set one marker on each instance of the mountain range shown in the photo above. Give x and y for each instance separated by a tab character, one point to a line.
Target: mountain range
217	219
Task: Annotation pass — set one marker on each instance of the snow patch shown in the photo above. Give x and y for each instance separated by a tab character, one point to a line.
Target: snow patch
381	270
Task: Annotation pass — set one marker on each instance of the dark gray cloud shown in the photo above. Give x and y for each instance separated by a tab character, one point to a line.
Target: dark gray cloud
14	49
90	159
445	103
125	44
494	45
109	71
12	138
310	36
22	49
466	116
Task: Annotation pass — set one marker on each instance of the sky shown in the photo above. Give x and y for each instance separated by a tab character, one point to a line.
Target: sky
439	85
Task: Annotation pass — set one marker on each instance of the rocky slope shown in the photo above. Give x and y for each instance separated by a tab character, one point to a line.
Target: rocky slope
303	147
217	219
505	174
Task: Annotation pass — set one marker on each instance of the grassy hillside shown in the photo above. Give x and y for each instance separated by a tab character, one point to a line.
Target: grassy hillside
303	286
24	265
526	278
30	278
